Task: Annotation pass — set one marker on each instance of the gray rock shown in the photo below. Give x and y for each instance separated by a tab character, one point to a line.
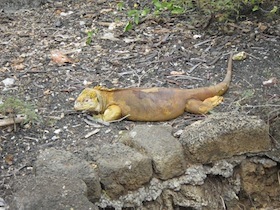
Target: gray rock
122	169
165	150
49	192
210	195
223	136
274	154
260	180
275	131
52	162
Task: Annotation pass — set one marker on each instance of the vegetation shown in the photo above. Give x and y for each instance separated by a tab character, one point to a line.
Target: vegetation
90	34
14	106
222	10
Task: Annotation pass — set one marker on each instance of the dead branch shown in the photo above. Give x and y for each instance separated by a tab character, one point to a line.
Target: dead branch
11	121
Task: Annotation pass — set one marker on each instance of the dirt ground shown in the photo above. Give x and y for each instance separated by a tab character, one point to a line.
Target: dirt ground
185	51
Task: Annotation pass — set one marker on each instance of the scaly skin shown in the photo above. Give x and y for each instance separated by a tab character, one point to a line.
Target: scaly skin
151	104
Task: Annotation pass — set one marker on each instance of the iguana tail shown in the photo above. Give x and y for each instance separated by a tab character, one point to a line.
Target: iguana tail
229	70
223	86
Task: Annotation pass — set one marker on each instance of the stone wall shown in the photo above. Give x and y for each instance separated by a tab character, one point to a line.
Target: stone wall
222	162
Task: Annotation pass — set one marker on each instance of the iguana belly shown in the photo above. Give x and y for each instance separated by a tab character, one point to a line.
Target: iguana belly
153	104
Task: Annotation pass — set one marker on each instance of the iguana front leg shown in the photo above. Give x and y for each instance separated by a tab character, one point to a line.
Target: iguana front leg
112	112
202	107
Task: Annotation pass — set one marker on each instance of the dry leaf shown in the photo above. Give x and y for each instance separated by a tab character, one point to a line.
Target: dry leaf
103	11
271	81
109	36
59	57
47	92
239	56
177	73
17	63
262	27
8	82
9	159
17	60
19	66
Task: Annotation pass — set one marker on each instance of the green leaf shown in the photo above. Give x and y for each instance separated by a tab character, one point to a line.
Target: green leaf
169	5
120	6
136	19
157	4
255	8
177	10
89	37
274	10
132	13
128	26
145	12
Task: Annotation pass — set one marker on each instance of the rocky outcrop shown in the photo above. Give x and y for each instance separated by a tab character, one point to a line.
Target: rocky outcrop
212	163
51	192
223	136
61	163
122	169
157	143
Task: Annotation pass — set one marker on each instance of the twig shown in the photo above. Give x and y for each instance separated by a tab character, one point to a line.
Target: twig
167	59
31	138
125	73
278	175
141	76
178	77
261	105
251	55
15	171
250	198
113	121
98	120
242	206
11	121
149	57
163	39
214	60
92	133
194	67
223	203
201	43
89	122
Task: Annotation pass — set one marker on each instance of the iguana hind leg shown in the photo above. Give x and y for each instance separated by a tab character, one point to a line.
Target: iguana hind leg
113	112
202	107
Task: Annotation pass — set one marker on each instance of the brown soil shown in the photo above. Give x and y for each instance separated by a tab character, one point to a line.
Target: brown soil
149	55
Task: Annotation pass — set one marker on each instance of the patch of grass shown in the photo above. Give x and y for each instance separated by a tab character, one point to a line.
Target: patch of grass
221	10
90	35
14	106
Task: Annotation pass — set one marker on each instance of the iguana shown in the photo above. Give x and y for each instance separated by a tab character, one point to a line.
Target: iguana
151	104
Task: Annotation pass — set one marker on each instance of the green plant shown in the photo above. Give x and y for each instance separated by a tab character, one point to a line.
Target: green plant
174	6
254	3
14	106
90	35
120	6
135	15
222	10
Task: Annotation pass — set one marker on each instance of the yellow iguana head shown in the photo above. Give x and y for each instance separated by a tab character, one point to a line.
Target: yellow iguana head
89	100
